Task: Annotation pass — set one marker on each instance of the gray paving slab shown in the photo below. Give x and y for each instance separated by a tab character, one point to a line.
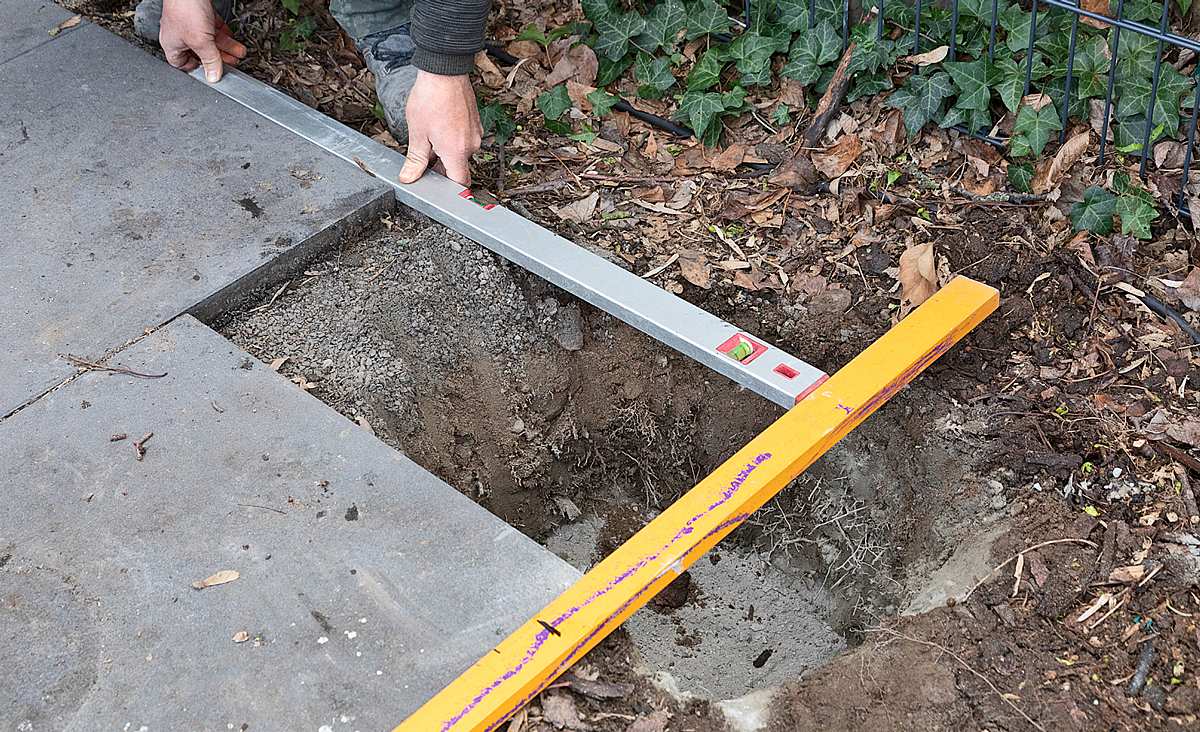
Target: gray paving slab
365	583
26	24
133	193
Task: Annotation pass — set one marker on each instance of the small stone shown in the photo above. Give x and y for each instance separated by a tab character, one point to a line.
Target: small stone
999	501
518	426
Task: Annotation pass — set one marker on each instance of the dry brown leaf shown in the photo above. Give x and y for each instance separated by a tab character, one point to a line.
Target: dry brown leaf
1099	7
695	268
1128	575
71	22
524	49
1037	101
935	56
278	363
580	211
559	710
656	722
796	173
241	636
219	578
682	197
729	158
491	74
1050	172
836	159
578	94
918	276
1187	432
579	64
1189	290
362	422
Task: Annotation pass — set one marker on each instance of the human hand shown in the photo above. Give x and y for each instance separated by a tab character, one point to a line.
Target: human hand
191	34
443	127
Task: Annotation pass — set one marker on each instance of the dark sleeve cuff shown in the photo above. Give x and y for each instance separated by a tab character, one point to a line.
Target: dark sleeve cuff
443	64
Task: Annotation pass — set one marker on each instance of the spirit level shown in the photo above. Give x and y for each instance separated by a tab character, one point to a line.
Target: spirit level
750	361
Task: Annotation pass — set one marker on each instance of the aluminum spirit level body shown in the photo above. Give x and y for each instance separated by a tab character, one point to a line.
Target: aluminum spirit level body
748	360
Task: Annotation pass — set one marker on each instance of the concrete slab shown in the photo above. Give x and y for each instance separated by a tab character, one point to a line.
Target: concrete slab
365	583
132	193
26	24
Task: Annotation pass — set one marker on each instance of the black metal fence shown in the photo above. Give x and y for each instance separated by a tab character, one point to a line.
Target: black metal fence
1133	56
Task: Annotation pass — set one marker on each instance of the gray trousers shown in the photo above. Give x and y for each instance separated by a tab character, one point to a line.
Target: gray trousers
362	17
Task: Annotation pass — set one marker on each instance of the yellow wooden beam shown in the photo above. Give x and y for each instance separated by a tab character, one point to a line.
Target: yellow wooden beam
526	662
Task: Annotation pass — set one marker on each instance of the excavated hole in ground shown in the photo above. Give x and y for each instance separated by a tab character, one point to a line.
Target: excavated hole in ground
577	430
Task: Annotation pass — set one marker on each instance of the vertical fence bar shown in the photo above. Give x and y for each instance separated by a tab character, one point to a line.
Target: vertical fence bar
845	24
916	48
1191	140
879	20
953	29
812	14
992	31
1066	110
1162	29
1112	78
746	12
1029	51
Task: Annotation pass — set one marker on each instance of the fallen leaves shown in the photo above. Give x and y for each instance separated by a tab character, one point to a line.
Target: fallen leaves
935	56
71	22
1050	172
695	268
241	636
559	710
581	211
579	64
918	276
1186	431
1189	290
219	578
836	159
797	173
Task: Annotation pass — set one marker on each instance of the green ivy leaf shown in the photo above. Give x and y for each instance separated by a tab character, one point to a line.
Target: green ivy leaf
868	85
975	120
292	6
1015	23
1007	77
587	136
616	30
602	102
609	70
781	115
707	71
871	54
811	50
1020	177
1032	129
1136	59
971	78
752	52
496	120
532	33
1091	69
663	24
793	14
706	17
698	110
654	75
1095	212
1136	215
555	102
921	98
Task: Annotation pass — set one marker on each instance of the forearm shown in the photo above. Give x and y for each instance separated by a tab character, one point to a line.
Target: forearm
448	34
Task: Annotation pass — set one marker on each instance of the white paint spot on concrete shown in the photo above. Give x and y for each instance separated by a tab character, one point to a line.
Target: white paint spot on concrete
322	641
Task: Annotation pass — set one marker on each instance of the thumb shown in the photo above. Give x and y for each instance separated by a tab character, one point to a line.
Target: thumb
210	58
420	152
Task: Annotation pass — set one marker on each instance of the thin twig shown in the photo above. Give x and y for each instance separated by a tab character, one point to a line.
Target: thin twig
265	508
139	447
1021	553
83	363
967	666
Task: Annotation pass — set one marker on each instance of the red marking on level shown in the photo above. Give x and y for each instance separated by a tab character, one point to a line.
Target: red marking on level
485	205
812	388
